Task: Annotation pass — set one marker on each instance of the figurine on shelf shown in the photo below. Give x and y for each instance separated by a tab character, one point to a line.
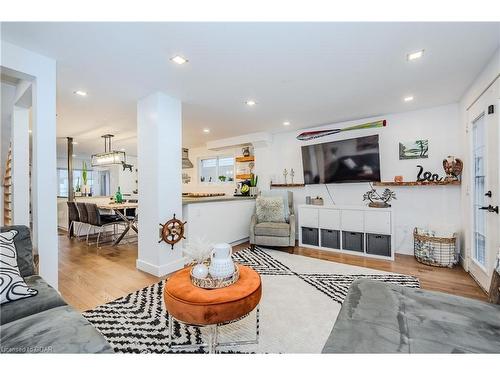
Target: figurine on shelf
285	173
427	176
377	200
292	173
453	168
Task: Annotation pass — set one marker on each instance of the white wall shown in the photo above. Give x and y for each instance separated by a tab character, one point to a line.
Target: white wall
487	75
195	154
437	207
125	179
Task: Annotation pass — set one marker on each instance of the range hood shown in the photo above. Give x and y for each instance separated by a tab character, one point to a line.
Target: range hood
186	163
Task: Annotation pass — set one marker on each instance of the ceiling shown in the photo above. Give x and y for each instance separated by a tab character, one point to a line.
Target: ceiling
306	73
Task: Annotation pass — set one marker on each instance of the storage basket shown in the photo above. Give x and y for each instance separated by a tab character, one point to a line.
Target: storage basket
435	251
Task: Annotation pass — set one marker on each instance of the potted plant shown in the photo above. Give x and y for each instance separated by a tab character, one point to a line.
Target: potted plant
253	185
77	188
85	188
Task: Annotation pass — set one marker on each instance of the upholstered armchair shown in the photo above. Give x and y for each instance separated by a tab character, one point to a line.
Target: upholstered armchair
274	234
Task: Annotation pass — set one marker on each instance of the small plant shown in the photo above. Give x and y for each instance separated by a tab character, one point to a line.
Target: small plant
84	173
222	178
254	180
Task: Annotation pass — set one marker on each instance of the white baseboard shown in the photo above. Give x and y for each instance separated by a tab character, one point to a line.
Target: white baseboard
161	270
243	240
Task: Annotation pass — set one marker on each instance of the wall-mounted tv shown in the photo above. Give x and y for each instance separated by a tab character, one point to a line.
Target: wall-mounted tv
348	160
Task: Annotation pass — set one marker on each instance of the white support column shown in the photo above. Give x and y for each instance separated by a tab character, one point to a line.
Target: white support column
20	166
159	142
41	72
44	174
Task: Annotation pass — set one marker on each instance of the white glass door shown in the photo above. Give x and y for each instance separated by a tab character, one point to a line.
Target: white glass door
479	190
485	179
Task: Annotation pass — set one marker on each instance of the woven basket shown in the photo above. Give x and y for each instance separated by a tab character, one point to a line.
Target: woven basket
435	251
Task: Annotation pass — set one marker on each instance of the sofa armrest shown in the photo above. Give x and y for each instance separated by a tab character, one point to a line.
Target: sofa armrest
292	229
253	222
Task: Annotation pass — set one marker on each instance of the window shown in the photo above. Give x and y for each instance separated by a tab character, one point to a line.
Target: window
62	181
219	169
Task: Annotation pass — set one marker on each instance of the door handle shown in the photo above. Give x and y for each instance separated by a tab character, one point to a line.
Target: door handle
490	208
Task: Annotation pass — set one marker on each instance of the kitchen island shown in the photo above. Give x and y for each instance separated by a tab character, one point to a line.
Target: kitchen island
218	219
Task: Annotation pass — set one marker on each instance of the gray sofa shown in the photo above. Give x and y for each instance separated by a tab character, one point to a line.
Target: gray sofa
379	317
274	234
43	323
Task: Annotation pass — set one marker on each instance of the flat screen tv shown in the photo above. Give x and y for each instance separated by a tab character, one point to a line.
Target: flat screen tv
348	160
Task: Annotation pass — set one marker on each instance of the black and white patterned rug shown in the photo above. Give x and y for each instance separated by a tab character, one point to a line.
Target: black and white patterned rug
301	300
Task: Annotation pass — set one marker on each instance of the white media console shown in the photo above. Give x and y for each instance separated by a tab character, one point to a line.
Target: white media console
356	230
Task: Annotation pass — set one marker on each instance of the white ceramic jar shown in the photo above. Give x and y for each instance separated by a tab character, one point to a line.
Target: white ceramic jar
221	263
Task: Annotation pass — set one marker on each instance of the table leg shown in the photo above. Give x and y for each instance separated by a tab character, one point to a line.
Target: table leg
127	228
212	338
170	330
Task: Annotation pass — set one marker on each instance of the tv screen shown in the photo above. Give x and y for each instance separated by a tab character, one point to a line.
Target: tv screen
348	160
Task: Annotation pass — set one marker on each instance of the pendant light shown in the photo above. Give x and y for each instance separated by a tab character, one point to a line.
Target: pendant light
108	157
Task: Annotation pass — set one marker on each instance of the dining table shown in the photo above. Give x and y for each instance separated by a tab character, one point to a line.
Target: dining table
120	209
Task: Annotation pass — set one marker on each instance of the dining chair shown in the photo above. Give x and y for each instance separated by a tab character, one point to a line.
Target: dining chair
84	218
99	221
73	217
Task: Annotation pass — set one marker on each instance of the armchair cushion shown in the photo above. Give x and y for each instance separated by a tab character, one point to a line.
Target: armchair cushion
286	202
272	229
270	209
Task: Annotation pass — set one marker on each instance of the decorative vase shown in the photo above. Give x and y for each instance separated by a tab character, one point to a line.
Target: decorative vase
200	271
246	151
254	190
221	263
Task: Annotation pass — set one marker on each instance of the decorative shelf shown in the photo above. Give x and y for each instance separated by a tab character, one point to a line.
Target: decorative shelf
286	185
245	159
417	183
244	176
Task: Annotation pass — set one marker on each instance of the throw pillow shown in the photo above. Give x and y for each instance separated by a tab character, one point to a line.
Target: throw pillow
270	210
283	194
12	285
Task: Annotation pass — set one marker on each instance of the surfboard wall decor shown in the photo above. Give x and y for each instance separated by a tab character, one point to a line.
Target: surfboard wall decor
307	136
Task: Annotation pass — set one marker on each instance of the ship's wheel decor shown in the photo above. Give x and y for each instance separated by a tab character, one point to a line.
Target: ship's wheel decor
172	231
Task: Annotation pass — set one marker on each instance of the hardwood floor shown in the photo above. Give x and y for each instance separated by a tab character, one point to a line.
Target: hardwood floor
89	277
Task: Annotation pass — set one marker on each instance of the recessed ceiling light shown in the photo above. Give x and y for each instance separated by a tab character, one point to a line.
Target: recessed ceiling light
286	123
74	143
415	55
80	93
206	130
179	59
250	103
408	99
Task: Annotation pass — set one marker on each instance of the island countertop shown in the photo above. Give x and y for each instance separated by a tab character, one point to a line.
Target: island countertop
188	200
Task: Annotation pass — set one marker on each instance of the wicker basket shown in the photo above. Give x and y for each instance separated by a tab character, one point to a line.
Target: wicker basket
435	251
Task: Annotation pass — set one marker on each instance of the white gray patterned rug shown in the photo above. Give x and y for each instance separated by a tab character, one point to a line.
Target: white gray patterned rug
301	298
